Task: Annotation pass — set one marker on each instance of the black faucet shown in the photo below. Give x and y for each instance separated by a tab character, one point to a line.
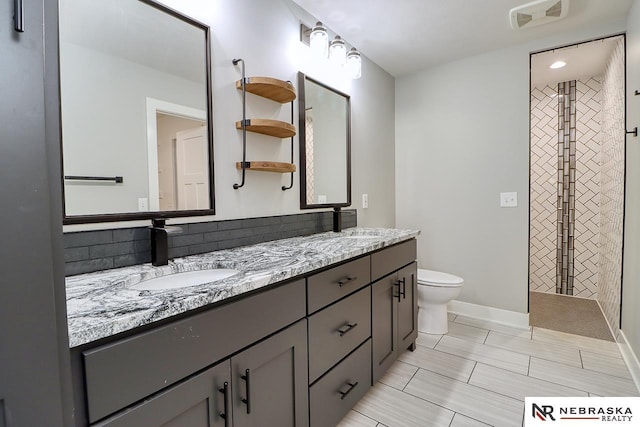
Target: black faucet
337	220
159	241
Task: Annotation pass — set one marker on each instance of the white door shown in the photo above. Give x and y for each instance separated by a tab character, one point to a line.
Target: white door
192	170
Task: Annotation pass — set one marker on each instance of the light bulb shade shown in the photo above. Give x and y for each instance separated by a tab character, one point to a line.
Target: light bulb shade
337	51
319	41
354	63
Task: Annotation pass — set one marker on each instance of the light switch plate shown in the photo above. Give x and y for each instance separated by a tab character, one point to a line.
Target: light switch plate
509	200
322	199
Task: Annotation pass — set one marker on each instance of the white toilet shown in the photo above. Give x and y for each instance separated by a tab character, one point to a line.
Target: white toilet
435	290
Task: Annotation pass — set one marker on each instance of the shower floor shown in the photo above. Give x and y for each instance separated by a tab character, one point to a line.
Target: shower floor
568	314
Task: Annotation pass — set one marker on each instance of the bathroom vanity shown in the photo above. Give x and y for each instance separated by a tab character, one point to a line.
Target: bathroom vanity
295	338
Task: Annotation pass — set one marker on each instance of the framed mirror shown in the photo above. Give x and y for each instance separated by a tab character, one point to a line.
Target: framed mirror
324	131
136	112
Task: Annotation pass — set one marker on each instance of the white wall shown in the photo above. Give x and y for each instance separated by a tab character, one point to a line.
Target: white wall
266	34
105	125
631	266
462	137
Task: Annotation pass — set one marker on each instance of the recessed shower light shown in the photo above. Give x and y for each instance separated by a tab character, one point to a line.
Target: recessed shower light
557	64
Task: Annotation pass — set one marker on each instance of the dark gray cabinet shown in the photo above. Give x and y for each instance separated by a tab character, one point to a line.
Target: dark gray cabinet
339	313
125	371
407	288
270	381
298	354
264	385
339	390
338	329
394	317
202	401
384	310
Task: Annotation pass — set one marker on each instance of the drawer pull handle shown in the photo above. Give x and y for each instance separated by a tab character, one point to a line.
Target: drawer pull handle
247	379
346	328
400	292
225	392
346	280
344	394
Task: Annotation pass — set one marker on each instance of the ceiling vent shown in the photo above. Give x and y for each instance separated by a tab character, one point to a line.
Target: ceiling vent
538	12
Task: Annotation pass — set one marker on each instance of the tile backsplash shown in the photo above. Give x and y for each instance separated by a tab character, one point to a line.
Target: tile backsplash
89	251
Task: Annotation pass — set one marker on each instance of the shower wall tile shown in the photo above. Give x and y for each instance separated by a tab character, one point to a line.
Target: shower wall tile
612	204
588	182
544	188
544	192
566	186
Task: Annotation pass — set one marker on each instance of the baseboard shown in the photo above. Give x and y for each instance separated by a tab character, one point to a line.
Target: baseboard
630	358
497	315
606	320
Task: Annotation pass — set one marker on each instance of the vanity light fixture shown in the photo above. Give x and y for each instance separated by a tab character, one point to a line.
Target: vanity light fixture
557	64
354	63
319	40
337	51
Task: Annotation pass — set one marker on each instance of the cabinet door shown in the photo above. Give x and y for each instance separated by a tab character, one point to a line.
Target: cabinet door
198	402
383	324
407	306
270	381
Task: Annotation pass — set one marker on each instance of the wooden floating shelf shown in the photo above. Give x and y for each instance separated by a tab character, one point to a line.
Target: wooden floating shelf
267	87
269	127
268	166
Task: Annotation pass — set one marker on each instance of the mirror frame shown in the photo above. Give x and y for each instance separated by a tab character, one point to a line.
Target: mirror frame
130	216
302	78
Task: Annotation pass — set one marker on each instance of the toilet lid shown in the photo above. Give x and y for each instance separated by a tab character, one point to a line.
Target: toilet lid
439	278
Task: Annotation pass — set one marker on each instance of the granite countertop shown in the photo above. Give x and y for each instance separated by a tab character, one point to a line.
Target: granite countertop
101	304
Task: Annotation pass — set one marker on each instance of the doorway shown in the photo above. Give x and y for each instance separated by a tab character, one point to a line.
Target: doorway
182	165
178	153
577	134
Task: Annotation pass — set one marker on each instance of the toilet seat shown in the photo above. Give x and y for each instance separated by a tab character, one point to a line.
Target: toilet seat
438	278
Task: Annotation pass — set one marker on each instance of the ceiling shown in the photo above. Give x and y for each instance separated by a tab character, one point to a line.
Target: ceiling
583	60
405	36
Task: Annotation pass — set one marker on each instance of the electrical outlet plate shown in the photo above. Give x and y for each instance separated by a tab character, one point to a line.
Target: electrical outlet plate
509	200
365	201
143	204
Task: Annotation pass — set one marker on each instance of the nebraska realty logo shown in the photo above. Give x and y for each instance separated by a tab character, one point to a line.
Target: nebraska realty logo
582	411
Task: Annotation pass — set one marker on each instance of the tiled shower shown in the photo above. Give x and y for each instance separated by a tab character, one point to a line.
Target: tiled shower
577	187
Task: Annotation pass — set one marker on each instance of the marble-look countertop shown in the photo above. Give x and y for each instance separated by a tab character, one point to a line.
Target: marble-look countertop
101	304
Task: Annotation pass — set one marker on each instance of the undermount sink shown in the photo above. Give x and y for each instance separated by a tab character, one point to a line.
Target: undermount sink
361	236
184	279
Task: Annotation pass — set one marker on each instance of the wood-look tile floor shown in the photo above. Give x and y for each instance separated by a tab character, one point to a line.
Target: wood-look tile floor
480	372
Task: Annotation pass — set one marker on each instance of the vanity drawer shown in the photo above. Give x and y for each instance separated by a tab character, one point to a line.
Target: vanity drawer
392	258
338	391
338	329
121	373
335	283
